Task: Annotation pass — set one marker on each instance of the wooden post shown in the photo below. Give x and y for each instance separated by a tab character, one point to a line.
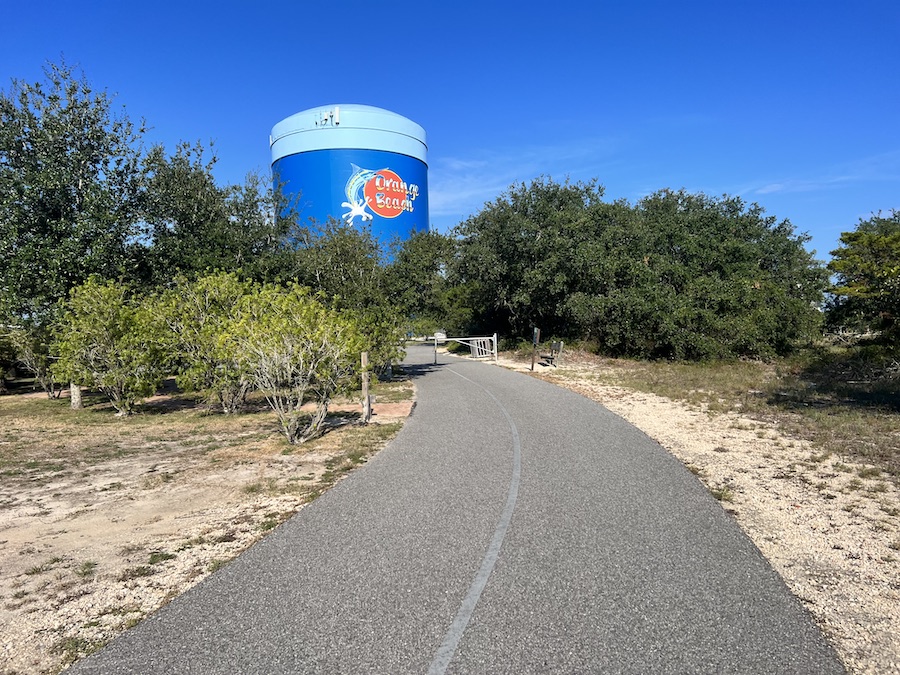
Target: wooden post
435	350
366	400
496	349
535	339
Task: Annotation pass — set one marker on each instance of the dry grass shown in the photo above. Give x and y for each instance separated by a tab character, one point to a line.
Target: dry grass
812	397
42	440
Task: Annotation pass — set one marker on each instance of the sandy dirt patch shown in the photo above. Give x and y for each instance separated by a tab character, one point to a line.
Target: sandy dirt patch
88	548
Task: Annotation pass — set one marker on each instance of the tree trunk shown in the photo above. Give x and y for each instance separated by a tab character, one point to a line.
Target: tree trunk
75	396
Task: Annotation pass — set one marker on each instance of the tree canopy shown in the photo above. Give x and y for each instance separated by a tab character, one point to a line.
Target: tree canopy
192	225
80	195
867	269
677	275
69	186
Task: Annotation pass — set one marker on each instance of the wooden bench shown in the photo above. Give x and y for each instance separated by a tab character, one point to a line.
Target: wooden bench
552	356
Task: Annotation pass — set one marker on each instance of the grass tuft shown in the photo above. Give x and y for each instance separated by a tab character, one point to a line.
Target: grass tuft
44	567
73	648
87	569
722	493
159	556
137	572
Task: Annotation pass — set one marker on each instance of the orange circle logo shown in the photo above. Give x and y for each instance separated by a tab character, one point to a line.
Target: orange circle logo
386	194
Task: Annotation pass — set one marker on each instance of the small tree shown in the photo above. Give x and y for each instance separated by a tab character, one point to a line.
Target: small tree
106	340
202	317
867	266
31	345
297	350
344	264
383	332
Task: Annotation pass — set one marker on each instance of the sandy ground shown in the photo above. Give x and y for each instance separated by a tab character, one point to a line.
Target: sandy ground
89	553
831	535
86	557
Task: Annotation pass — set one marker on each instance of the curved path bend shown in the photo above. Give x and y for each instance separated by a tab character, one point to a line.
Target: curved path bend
511	527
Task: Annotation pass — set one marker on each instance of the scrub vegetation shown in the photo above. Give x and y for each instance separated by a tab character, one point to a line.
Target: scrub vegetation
123	265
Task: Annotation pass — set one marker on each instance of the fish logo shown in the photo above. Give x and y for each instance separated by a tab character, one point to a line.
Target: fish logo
383	191
355	202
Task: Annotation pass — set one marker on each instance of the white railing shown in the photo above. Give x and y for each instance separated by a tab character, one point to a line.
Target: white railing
479	347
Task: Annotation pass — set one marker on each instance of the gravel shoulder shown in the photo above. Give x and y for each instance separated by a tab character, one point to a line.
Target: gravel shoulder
831	535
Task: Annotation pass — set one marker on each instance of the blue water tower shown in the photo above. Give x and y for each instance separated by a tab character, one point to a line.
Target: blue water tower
356	163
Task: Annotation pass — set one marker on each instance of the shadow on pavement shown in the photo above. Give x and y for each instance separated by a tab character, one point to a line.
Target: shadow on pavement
414	370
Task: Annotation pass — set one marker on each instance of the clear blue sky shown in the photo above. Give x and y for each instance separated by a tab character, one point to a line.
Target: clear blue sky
793	105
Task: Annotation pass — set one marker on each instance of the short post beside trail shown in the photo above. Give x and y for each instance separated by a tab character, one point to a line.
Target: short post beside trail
366	399
535	340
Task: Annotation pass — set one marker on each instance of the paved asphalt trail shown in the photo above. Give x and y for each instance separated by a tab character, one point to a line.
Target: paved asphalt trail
511	527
